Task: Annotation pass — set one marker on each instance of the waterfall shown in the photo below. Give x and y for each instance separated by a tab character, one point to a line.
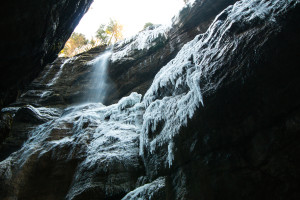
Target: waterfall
99	84
58	74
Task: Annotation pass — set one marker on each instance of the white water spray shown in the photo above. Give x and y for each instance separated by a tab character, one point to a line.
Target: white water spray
99	84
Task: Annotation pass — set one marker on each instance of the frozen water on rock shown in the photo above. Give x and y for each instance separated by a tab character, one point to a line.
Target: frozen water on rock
176	18
129	101
36	93
10	109
104	138
46	93
147	191
113	143
49	113
175	93
143	40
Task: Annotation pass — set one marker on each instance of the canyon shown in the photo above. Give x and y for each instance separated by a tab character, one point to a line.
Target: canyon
207	108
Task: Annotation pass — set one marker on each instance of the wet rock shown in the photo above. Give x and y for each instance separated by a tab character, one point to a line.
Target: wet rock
64	82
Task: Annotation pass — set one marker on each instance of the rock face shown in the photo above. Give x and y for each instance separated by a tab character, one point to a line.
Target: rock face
34	33
64	82
89	151
220	120
139	58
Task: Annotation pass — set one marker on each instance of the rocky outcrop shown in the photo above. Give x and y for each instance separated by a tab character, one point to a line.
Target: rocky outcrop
219	121
19	123
134	62
33	34
222	119
139	58
133	66
88	152
64	82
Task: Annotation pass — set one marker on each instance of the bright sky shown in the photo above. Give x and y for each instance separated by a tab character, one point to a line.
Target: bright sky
132	14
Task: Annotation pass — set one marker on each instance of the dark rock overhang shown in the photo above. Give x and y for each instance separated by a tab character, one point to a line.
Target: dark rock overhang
33	33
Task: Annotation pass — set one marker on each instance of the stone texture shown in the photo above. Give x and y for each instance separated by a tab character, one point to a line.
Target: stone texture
80	154
61	83
18	123
136	71
33	34
242	144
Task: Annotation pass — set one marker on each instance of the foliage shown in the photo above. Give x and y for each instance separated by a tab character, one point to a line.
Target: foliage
93	42
101	34
105	35
115	30
147	25
77	40
112	32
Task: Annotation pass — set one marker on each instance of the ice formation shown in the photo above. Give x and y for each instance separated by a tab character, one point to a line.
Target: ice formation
147	191
143	40
104	137
175	93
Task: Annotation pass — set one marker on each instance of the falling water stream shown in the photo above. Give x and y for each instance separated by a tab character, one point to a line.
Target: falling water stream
99	82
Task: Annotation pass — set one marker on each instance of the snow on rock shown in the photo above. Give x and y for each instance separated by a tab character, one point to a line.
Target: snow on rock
175	93
153	190
105	139
34	115
130	101
113	147
143	40
10	110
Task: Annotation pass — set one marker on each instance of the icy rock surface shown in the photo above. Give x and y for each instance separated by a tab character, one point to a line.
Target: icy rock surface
104	140
153	190
143	40
175	93
36	115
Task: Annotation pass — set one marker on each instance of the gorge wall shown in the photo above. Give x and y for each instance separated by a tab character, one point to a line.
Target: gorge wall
33	34
217	116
